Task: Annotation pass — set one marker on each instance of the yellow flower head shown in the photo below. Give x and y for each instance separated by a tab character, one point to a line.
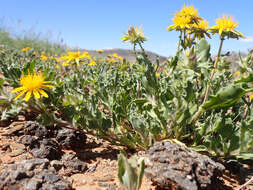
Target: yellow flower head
180	23
100	51
188	11
92	63
134	35
203	25
25	49
43	57
225	26
200	29
185	18
32	84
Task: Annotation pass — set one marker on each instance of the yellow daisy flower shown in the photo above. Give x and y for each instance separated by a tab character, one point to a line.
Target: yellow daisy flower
226	26
180	23
187	11
32	84
25	49
184	18
92	63
134	35
43	57
100	51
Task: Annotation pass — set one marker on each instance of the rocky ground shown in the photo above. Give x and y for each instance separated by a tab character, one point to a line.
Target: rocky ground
33	156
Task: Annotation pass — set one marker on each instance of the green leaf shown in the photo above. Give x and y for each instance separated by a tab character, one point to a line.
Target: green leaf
226	97
203	51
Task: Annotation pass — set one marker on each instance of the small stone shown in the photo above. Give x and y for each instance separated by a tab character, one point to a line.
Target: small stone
17	146
56	164
48	177
13	128
27	139
32	184
68	157
17	152
102	184
46	148
76	166
35	129
68	138
18	175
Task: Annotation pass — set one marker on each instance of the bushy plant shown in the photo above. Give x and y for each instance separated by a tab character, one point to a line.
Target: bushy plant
190	97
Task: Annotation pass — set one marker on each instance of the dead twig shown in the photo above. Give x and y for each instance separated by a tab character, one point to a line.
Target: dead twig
245	184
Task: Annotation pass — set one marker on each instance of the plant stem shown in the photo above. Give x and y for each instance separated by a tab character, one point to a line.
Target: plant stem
214	70
201	110
179	42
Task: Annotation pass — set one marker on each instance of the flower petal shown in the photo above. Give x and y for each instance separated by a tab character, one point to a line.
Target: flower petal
20	94
36	94
43	93
49	86
17	89
28	95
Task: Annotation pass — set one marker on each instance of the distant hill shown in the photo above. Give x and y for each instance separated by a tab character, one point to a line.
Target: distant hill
125	53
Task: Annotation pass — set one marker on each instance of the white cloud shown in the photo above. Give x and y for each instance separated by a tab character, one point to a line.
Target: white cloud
247	39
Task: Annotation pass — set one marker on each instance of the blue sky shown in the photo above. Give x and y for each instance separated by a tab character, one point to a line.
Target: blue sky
94	24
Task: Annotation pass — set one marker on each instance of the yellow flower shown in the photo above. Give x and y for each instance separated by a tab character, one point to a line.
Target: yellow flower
43	57
185	18
25	49
180	23
115	55
187	11
100	51
92	63
203	24
32	84
226	26
250	96
65	64
134	35
200	29
237	74
120	58
74	56
157	74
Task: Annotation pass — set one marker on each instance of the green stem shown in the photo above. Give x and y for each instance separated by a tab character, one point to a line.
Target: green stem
201	110
179	42
214	70
197	115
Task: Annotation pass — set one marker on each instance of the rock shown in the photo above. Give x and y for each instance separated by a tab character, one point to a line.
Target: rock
76	166
32	163
35	129
14	128
33	184
56	164
63	185
68	138
17	152
46	148
57	186
68	157
18	175
27	139
172	166
47	177
15	146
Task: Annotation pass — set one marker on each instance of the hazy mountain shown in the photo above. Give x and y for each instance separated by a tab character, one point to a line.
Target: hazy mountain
125	53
